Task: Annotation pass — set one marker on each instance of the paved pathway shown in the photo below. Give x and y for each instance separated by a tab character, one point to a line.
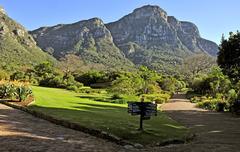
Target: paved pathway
21	132
216	132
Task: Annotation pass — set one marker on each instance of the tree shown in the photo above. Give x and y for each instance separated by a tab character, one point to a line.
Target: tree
44	69
128	83
196	64
19	75
149	80
91	77
229	56
212	84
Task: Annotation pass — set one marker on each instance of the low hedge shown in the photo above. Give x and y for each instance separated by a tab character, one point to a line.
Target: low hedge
158	98
213	104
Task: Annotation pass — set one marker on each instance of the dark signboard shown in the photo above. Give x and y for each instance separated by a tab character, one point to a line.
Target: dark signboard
144	109
134	108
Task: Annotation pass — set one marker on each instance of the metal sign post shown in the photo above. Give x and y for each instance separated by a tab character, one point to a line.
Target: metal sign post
144	109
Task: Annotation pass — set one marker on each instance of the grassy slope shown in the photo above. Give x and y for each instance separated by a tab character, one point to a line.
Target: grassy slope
108	117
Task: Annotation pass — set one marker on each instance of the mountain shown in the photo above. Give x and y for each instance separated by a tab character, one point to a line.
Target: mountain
89	39
17	47
147	36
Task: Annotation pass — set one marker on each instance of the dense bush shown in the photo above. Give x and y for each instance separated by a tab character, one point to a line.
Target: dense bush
172	84
212	84
214	91
19	75
213	104
59	81
208	104
89	90
46	75
127	84
6	90
92	77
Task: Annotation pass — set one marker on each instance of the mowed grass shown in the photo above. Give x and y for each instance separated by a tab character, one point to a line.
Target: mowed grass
109	117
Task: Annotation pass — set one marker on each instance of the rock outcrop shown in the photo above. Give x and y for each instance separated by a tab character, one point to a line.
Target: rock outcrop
149	36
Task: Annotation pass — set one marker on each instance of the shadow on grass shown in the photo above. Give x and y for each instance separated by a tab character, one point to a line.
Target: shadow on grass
99	99
91	106
117	121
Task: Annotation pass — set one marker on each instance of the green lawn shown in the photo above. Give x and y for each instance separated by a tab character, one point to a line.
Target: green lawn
109	117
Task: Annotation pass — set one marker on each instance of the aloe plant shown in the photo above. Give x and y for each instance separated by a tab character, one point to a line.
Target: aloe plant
22	92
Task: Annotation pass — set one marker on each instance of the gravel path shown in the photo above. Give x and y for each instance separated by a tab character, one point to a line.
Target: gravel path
180	103
215	132
22	132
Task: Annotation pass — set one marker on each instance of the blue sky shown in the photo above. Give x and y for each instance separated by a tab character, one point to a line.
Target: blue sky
213	17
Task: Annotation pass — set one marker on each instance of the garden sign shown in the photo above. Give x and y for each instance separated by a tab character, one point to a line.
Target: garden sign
144	109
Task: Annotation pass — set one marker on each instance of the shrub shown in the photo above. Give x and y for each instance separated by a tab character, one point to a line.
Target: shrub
19	75
158	98
92	77
60	81
90	90
212	104
169	84
195	99
22	92
231	95
208	104
116	96
6	90
221	106
73	88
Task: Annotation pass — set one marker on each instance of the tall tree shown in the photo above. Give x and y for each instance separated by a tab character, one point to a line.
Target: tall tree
229	56
196	64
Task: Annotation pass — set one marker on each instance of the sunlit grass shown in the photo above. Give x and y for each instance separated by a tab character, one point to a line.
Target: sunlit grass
109	117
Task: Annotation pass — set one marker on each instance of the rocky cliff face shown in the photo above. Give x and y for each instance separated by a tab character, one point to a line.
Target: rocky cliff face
17	47
146	36
149	36
89	39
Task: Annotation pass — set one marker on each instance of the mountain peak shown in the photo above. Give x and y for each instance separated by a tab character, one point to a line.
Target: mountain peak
2	10
96	21
150	10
